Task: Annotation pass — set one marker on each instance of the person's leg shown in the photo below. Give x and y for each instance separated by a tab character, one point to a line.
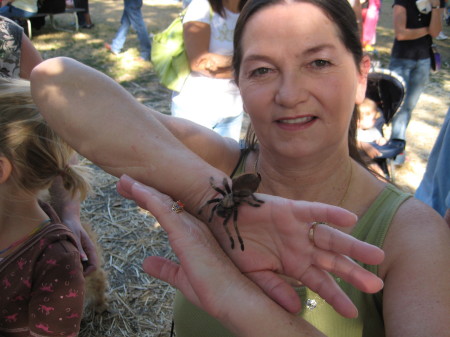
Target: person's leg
135	14
12	12
415	74
121	35
87	15
403	68
80	15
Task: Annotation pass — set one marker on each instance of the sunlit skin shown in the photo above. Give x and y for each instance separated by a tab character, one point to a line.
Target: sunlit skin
297	94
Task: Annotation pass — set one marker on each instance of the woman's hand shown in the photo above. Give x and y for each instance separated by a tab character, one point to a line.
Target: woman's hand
88	252
209	279
276	237
215	65
68	209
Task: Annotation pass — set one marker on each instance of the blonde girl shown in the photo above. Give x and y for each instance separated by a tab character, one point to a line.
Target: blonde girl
41	276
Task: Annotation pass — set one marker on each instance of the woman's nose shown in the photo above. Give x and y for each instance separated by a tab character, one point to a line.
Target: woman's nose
291	91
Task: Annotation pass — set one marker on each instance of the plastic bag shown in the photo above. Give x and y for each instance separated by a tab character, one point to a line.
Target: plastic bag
169	57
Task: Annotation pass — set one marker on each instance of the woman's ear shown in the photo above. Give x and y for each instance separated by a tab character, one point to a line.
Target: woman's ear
364	69
5	169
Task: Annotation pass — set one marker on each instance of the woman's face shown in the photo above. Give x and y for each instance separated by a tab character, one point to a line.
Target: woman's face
298	82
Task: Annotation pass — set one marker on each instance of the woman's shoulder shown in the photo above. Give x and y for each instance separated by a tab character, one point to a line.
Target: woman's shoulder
414	213
198	10
415	271
415	226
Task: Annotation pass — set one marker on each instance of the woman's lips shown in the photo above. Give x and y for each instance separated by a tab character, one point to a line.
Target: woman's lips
296	120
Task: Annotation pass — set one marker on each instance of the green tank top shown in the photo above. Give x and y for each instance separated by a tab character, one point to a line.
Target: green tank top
190	321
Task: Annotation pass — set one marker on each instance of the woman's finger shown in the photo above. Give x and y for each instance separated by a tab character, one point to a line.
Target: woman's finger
277	289
326	287
320	212
332	239
348	270
161	268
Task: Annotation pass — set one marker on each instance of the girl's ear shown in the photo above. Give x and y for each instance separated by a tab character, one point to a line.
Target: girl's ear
362	81
5	169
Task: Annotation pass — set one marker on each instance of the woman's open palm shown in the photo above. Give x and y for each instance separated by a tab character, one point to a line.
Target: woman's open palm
277	238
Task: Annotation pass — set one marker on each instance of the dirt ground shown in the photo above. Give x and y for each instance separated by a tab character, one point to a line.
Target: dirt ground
140	305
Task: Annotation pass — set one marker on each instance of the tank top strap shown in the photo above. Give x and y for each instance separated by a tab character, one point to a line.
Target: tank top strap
373	226
240	166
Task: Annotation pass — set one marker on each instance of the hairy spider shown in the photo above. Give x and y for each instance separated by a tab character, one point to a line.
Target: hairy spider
241	191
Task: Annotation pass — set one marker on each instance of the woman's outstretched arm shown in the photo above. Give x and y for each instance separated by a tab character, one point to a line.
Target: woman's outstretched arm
107	125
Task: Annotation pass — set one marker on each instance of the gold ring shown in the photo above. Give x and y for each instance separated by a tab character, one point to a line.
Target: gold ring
312	229
177	206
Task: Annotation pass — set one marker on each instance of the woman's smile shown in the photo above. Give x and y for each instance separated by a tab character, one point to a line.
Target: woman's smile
295	123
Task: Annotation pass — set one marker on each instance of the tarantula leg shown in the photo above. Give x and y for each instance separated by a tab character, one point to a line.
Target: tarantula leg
236	229
226	185
257	200
207	203
217	189
253	204
212	213
228	231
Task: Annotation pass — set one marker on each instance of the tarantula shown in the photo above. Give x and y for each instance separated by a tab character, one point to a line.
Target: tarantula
241	191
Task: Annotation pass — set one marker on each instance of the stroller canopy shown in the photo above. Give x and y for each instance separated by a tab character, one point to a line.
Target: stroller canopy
387	90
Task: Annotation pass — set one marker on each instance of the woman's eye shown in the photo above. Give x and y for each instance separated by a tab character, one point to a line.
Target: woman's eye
259	71
320	63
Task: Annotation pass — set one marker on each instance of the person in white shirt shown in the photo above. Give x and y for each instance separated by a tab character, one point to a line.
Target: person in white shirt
209	96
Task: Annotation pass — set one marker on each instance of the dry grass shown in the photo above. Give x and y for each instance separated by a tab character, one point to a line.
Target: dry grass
139	304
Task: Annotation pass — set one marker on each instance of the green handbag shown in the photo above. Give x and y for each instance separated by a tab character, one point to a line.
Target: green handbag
169	56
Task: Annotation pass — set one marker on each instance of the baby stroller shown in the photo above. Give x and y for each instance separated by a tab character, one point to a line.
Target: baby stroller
387	90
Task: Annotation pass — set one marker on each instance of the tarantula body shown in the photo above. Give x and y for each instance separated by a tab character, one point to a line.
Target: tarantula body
241	191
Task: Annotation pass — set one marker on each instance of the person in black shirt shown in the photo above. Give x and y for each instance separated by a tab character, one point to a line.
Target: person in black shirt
410	57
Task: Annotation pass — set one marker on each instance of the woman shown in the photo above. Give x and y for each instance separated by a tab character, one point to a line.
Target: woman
410	57
300	78
209	96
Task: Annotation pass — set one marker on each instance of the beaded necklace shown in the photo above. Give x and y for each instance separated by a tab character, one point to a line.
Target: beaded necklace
26	237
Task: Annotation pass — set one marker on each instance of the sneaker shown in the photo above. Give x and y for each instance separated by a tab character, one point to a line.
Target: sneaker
88	26
441	36
400	159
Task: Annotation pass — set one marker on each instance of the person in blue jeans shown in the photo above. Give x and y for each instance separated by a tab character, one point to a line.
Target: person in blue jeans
132	15
434	190
14	9
414	27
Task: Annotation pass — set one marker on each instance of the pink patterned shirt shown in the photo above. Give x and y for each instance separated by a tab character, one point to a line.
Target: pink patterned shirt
42	285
